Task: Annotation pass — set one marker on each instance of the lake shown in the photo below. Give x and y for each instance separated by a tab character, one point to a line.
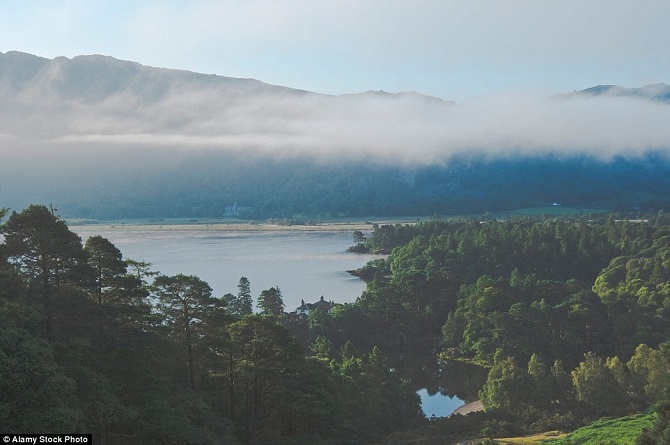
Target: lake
305	265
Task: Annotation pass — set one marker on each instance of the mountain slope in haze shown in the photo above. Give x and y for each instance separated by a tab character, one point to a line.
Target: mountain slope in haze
94	98
659	92
99	95
97	77
105	138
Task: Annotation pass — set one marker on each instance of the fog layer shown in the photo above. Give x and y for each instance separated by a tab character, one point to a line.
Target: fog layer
90	102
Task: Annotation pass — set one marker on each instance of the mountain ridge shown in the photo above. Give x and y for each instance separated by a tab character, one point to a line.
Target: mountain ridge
51	70
33	64
97	97
36	63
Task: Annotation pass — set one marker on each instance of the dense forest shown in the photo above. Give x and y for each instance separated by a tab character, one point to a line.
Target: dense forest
567	318
570	316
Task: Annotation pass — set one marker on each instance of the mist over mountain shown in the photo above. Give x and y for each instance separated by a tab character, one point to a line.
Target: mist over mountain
105	138
659	92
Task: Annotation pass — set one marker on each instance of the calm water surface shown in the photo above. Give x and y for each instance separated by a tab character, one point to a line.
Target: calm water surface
438	404
442	385
305	265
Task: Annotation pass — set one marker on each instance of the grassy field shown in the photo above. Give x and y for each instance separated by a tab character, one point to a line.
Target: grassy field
606	431
530	440
619	431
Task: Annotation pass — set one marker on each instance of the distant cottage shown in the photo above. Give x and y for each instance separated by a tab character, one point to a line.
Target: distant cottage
233	210
306	308
236	210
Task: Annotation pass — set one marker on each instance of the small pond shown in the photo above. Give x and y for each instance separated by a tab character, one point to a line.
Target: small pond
443	385
438	404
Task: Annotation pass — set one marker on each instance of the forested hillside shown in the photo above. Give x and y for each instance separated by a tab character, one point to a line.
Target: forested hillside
568	317
112	184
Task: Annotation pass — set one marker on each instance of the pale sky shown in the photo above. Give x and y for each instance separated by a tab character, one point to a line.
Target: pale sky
457	50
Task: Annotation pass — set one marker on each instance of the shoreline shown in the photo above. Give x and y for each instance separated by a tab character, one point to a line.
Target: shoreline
176	225
469	407
223	227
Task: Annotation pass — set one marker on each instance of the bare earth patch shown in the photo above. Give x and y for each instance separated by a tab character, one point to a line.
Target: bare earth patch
470	407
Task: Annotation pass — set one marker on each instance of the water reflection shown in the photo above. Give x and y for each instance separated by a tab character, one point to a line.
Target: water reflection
438	404
443	385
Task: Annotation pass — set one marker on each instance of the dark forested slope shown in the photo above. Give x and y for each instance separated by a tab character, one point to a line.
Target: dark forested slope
140	185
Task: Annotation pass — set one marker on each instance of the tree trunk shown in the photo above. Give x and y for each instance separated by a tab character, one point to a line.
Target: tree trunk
189	358
255	408
231	379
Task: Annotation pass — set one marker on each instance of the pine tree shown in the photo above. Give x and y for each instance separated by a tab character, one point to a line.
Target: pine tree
49	255
245	301
271	302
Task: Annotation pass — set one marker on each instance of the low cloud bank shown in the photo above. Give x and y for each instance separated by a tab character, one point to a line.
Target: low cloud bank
249	116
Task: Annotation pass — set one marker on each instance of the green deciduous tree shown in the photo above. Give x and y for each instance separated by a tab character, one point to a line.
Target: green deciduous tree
37	394
540	382
659	433
322	347
505	386
595	384
649	373
561	391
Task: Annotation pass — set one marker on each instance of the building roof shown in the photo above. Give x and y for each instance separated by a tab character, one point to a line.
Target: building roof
321	304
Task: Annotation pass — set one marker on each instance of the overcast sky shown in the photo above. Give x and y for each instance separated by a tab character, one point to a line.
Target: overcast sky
456	50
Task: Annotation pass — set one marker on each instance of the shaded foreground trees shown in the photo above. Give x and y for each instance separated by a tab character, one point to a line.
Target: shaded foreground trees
88	346
188	309
49	257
